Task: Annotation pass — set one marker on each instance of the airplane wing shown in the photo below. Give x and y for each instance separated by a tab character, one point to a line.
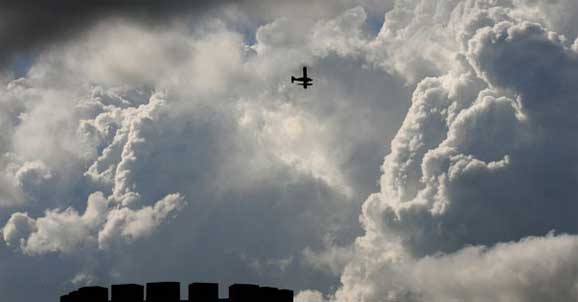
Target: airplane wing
304	81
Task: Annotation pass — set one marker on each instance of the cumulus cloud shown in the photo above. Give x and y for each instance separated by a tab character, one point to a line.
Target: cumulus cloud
533	269
101	224
19	226
483	159
308	295
193	140
125	224
133	122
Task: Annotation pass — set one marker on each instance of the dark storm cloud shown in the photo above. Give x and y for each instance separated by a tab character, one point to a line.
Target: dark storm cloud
30	25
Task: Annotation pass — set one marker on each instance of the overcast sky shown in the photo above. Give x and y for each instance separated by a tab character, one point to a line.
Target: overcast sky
434	159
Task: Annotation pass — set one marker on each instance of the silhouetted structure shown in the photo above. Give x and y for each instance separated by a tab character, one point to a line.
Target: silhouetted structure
93	294
269	294
244	293
203	292
170	292
127	293
65	298
163	292
285	295
87	294
75	295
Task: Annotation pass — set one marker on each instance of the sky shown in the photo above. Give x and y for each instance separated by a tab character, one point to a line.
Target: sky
434	158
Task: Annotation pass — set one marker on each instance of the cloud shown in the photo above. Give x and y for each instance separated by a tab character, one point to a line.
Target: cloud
101	224
18	226
482	166
533	269
127	117
125	224
308	295
133	121
29	25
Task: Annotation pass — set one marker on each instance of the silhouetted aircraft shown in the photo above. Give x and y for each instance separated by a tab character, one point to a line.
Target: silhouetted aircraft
304	80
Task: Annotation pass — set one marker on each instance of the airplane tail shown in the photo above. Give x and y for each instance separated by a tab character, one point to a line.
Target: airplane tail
292	79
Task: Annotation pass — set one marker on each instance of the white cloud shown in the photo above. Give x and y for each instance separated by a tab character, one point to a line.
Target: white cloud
533	269
126	224
309	296
108	136
483	158
343	35
101	224
113	131
19	226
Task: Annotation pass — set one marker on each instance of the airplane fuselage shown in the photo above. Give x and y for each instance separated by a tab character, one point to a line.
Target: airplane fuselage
304	81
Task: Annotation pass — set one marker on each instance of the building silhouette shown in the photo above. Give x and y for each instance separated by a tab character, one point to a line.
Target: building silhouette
171	292
94	293
87	294
163	292
244	293
285	295
127	293
203	292
269	293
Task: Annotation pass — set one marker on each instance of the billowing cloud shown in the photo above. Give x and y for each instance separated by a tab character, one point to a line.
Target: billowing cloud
187	142
533	269
482	166
67	231
308	295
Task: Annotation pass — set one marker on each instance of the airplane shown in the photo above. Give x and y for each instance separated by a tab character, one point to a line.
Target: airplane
305	81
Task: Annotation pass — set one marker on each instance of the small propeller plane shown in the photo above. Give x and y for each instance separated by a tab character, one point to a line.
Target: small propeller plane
304	80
